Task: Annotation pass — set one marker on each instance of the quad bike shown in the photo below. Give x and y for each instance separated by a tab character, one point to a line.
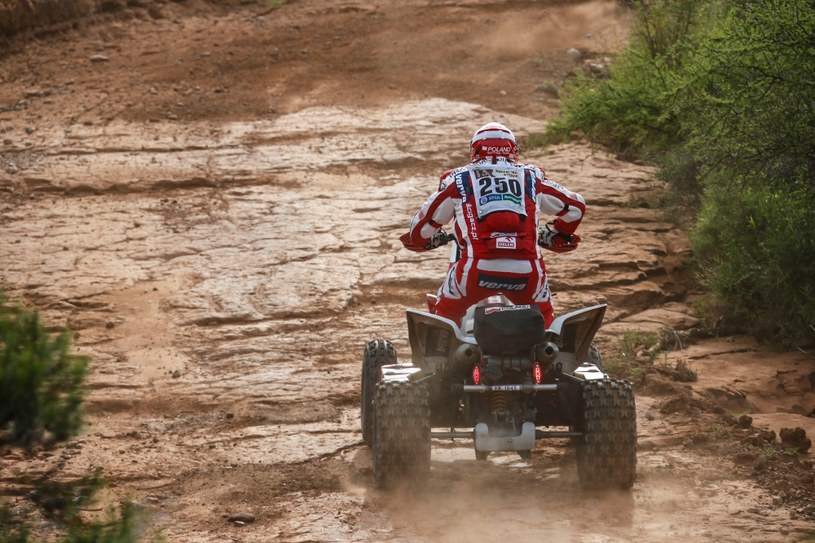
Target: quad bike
502	381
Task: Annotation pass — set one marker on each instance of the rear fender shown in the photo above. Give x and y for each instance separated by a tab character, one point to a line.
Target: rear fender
433	339
575	332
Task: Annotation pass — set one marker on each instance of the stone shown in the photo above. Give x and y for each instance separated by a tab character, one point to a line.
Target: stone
241	518
795	438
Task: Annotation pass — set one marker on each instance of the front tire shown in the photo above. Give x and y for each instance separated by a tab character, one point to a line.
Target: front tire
607	452
401	440
378	353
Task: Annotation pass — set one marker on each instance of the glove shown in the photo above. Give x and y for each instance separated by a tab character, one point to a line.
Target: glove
407	241
549	238
436	240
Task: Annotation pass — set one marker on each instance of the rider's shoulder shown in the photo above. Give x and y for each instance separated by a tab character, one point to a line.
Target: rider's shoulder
449	177
452	172
449	173
536	170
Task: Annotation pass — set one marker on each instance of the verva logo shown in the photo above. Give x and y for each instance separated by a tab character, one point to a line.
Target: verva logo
496	285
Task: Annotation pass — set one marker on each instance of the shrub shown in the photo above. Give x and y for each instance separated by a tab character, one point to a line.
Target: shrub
627	364
64	502
721	96
8	534
748	95
41	393
633	112
41	383
755	250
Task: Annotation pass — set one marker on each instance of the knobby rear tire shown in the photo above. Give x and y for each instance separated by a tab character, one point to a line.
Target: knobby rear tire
378	353
401	441
607	452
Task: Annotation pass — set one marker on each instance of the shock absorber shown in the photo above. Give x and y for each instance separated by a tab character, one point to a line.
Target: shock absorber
498	400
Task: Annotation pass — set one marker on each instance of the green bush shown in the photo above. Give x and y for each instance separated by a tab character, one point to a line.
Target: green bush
63	502
631	112
41	383
749	98
748	95
41	393
8	533
756	251
721	96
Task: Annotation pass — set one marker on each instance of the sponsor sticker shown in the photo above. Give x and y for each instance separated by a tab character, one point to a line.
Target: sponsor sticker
494	282
490	310
499	198
505	243
472	225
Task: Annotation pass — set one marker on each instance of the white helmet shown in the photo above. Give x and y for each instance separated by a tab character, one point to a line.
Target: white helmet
491	140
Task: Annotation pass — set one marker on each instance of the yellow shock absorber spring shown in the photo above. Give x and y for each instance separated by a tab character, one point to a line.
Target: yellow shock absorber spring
498	399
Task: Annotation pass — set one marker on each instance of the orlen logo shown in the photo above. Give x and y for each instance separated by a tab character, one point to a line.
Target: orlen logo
505	243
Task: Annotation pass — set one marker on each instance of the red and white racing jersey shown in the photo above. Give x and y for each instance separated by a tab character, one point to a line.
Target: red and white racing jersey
495	205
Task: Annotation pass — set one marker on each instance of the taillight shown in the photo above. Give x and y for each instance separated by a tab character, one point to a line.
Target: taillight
537	373
476	375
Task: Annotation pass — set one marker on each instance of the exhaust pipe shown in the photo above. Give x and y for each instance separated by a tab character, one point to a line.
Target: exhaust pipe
466	355
546	353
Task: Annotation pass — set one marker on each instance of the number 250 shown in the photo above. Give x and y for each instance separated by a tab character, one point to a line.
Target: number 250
500	184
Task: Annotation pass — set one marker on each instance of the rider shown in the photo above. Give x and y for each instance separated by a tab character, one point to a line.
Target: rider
494	202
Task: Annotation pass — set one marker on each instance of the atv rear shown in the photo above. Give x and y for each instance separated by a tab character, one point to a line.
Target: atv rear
502	382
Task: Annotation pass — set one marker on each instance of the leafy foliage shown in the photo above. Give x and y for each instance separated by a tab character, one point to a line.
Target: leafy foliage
720	94
64	501
749	95
41	393
756	252
627	364
41	383
630	112
9	534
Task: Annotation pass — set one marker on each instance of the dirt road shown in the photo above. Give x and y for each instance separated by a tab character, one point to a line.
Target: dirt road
211	198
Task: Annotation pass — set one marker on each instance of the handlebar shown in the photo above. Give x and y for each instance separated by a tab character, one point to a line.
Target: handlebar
445	238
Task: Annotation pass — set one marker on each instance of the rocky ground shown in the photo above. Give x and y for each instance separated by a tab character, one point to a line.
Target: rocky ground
210	196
